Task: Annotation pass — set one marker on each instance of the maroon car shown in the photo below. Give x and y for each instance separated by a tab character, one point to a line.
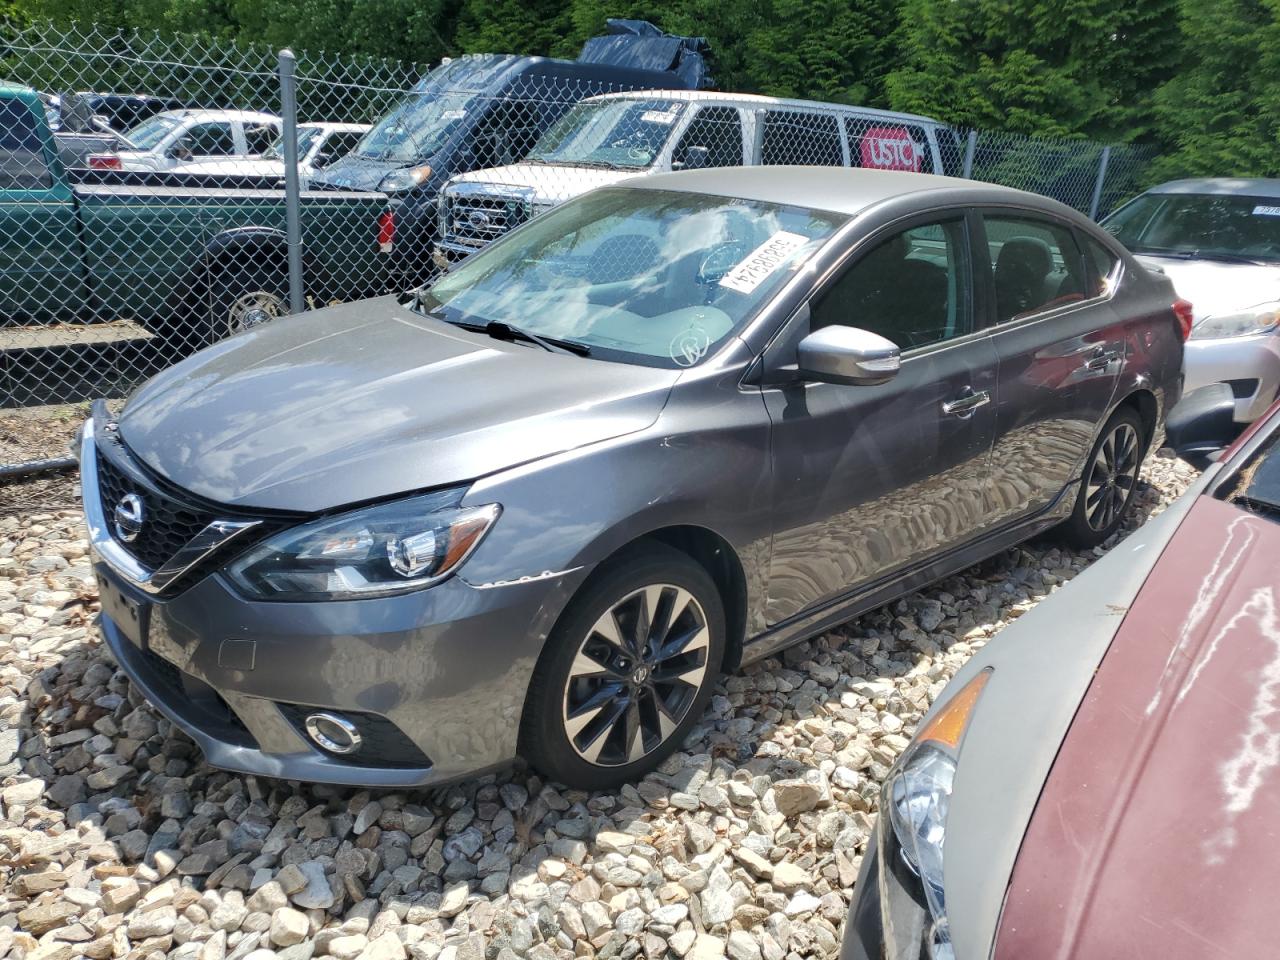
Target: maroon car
1103	780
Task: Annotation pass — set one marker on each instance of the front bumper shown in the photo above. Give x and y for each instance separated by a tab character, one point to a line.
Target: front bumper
1251	365
436	679
888	919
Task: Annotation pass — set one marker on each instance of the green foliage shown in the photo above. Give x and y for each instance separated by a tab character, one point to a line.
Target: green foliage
1221	117
1063	68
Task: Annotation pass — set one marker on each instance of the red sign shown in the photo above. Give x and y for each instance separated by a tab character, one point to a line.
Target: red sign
890	148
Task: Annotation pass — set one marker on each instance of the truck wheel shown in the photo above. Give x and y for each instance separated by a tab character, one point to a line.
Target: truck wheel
244	296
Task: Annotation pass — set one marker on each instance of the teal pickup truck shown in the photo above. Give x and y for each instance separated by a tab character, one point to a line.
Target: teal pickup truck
189	259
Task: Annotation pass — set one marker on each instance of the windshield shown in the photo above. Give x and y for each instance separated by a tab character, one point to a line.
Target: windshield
622	134
418	127
150	132
306	137
645	276
1222	225
1258	484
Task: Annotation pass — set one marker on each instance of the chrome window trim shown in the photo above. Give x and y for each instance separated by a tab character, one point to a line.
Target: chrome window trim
214	536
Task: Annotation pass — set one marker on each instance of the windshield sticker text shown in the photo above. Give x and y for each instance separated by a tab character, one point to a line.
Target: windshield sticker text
1261	211
658	116
761	262
453	115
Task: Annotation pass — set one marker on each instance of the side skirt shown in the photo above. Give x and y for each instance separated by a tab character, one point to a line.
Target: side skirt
819	619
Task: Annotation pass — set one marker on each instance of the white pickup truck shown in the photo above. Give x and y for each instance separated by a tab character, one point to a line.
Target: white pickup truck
616	136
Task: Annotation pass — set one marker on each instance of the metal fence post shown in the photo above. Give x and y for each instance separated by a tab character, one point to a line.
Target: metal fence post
292	188
970	149
1097	187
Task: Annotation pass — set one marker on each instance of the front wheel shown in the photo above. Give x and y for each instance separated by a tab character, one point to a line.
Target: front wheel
626	672
1109	481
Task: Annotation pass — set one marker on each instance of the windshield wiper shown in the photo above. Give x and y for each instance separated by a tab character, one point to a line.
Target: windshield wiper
502	330
1200	255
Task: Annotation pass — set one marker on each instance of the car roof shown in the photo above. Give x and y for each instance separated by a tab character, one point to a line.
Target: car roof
1249	186
336	127
835	189
198	114
755	99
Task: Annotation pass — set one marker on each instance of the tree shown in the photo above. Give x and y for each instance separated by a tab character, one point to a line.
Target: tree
824	49
1220	116
1048	68
511	26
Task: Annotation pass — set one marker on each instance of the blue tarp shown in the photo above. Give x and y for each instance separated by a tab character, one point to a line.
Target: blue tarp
641	45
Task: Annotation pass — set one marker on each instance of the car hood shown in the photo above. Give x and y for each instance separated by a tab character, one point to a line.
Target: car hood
1155	834
370	400
360	173
549	183
1216	288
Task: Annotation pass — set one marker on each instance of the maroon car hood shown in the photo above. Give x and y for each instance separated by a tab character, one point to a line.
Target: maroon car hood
1158	832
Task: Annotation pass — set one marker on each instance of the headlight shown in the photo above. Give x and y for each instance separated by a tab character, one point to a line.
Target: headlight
916	798
405	179
374	552
1260	319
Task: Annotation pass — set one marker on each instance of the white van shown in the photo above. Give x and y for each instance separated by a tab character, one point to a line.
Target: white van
616	136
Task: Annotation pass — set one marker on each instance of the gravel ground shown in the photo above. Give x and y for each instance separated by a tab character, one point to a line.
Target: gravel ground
116	840
38	433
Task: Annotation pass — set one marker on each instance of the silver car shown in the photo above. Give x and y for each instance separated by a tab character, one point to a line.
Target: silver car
666	429
1218	240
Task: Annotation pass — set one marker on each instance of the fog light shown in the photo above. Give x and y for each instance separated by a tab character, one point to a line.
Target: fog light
333	733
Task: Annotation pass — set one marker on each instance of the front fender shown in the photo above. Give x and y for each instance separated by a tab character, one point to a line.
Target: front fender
567	513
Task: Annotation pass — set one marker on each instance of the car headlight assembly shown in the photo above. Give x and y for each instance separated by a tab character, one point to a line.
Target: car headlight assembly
916	798
399	180
1263	318
377	551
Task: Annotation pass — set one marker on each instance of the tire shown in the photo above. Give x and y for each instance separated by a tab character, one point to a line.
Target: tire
1108	482
594	728
246	295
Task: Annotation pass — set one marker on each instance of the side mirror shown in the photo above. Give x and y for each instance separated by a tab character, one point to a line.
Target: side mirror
323	159
1202	425
695	158
182	152
847	355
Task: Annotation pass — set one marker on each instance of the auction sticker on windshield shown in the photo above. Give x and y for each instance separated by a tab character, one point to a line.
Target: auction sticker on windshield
764	260
1263	211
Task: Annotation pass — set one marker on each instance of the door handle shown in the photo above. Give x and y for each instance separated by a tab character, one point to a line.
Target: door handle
1101	359
964	407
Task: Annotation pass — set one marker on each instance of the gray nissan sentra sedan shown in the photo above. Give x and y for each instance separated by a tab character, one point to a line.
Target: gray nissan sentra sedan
670	427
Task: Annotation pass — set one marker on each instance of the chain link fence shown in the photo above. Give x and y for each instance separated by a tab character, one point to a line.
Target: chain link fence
160	193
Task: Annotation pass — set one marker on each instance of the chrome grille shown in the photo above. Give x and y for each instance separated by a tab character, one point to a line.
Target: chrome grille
474	220
169	524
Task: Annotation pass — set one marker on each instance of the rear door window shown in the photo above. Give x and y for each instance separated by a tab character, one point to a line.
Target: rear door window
800	137
259	136
1105	266
1036	266
882	145
718	130
22	160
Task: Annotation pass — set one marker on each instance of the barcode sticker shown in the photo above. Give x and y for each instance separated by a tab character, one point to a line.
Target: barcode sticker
756	267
